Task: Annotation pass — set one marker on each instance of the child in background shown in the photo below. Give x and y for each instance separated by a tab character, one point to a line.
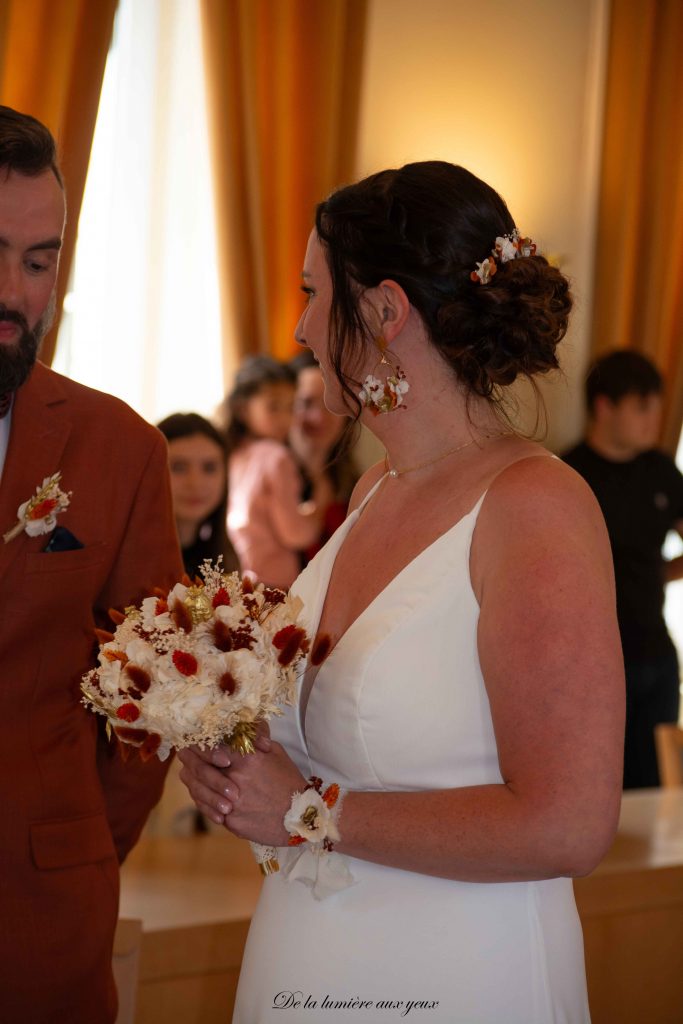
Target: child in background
268	523
197	462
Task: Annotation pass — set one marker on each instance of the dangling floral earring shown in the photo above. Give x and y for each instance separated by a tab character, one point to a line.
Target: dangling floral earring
381	396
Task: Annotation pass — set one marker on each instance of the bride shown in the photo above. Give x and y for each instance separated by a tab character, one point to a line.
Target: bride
465	688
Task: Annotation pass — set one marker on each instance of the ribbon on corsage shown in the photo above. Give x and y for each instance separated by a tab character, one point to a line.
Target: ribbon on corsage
39	514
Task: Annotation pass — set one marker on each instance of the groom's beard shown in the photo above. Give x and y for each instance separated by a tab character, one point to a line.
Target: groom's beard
17	360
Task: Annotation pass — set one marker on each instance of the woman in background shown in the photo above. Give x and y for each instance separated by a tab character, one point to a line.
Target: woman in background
197	462
319	441
268	523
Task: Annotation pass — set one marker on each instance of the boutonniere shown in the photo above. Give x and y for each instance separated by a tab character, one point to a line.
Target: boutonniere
39	514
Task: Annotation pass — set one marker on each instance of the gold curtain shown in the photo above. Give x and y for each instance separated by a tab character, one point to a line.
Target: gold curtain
639	276
283	78
52	58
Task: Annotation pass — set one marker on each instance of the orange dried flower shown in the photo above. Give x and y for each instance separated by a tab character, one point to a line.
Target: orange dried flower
116	616
161	606
104	636
116	656
331	795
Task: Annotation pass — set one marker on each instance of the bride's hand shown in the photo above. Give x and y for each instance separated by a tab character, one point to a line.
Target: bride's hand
248	794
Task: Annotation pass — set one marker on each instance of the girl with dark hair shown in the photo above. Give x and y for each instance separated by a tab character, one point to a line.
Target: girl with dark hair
197	464
268	523
465	685
318	439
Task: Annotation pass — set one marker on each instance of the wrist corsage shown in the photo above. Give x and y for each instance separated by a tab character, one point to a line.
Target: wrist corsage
313	814
313	825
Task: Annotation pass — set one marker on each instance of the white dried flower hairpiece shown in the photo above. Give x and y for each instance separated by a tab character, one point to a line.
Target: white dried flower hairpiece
506	248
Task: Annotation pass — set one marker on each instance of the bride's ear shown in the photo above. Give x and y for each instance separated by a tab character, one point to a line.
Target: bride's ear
390	309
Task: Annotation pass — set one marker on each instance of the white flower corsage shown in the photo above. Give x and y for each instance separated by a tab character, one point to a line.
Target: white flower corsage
39	514
312	824
310	818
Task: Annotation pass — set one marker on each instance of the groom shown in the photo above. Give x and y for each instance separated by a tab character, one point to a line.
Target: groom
70	808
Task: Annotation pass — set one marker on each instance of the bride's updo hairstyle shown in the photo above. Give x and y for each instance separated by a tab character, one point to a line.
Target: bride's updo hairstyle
426	226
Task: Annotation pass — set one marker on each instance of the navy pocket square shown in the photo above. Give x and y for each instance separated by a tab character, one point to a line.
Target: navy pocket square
62	540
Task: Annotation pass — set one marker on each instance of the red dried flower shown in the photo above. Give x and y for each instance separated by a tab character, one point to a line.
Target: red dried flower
139	677
181	617
222	636
150	746
43	508
104	636
161	606
247	586
295	841
185	662
321	648
135	736
221	597
116	616
228	683
128	713
273	595
242	639
289	641
282	637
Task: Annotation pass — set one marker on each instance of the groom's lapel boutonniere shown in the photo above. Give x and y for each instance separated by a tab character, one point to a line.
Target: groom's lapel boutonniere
39	514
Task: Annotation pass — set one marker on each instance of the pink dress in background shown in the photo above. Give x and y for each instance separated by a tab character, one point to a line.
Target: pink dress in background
264	523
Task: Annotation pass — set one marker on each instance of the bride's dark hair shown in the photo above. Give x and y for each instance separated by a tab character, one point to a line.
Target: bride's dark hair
426	226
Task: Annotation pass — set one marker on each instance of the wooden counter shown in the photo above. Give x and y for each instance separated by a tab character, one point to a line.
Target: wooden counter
631	909
195	896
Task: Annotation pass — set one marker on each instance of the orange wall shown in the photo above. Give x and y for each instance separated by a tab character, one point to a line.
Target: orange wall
513	91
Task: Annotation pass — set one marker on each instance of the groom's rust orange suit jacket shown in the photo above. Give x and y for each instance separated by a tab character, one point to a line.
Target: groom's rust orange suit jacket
70	808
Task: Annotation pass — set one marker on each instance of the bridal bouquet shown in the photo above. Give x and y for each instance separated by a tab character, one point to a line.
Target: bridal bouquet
201	665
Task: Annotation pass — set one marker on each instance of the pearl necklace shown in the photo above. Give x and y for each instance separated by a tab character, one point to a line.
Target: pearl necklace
394	473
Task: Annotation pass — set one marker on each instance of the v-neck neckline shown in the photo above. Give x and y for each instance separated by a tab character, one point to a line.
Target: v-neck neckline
323	588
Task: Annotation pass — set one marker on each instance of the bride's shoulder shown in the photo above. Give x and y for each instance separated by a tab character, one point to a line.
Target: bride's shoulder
367	482
539	496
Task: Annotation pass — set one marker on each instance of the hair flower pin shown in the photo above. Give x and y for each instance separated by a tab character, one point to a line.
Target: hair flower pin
506	248
39	514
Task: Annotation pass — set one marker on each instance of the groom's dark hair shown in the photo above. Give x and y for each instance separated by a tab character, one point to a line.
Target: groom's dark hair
26	146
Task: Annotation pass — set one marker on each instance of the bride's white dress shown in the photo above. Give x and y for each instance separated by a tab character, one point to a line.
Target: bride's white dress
400	704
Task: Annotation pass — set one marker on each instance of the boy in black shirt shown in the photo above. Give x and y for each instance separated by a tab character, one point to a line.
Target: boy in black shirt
640	492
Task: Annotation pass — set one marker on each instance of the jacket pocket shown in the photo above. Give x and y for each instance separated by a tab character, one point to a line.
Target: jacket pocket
66	561
72	842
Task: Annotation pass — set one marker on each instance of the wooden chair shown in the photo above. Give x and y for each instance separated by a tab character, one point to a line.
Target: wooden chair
669	740
125	964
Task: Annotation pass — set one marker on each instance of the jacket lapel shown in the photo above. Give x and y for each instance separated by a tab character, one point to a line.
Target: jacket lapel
38	435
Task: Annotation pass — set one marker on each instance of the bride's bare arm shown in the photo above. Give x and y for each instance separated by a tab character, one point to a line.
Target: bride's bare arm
551	660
